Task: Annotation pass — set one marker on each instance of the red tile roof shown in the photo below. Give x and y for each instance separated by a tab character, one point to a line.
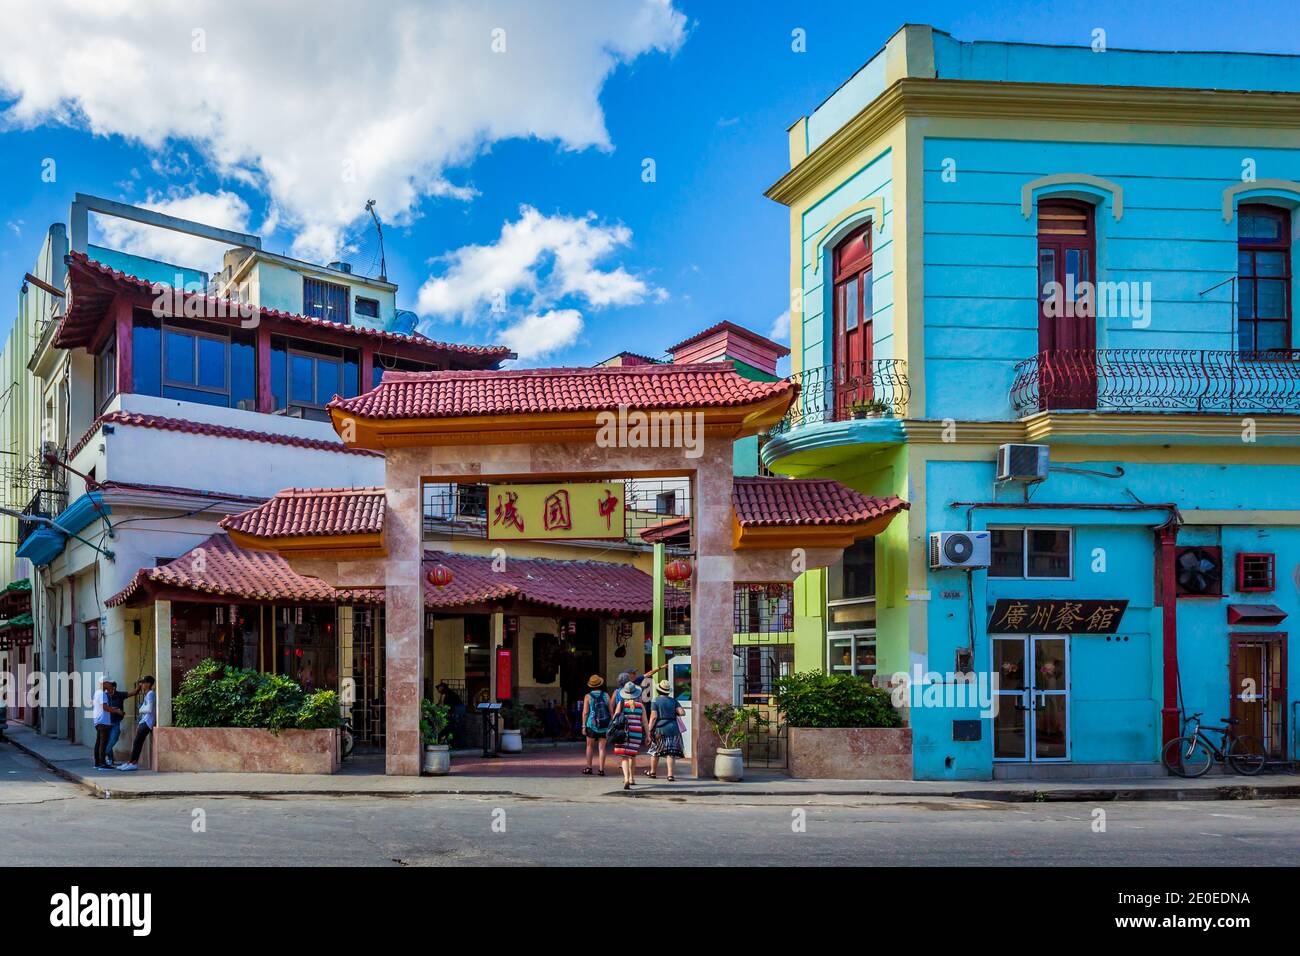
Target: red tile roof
726	326
596	587
313	511
217	431
229	571
457	394
799	502
93	284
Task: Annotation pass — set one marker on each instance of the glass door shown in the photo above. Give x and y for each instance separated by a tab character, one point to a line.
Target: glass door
1032	722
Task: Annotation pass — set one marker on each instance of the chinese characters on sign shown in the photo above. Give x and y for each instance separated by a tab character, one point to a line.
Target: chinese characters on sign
1051	616
556	511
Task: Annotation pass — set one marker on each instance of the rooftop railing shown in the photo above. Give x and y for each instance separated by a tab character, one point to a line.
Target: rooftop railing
1200	381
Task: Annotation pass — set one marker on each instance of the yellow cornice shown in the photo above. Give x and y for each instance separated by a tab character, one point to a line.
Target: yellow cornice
941	432
330	547
785	537
1045	426
732	422
972	99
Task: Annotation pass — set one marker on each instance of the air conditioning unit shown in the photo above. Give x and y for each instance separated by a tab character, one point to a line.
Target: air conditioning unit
960	549
1022	462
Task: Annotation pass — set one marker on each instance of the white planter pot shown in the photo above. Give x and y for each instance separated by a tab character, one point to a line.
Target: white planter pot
437	759
729	764
512	742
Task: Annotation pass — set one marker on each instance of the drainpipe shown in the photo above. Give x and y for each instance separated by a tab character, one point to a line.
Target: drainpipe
1166	557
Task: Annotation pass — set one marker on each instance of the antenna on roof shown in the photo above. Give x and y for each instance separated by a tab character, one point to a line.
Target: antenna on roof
383	263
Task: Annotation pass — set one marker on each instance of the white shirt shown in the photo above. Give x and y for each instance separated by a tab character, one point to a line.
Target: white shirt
147	710
102	717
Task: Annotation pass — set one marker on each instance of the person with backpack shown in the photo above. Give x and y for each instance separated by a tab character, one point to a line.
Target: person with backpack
596	718
627	729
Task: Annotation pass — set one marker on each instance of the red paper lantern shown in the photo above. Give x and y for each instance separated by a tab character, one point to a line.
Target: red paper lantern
440	575
678	570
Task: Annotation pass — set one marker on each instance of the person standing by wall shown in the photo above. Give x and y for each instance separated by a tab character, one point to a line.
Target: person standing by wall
148	716
103	721
664	731
595	720
117	700
628	729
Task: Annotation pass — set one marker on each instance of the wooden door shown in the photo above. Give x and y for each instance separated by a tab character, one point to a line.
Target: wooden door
1258	690
852	322
1067	323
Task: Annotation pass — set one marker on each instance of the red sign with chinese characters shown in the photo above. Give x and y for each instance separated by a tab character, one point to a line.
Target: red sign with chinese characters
1052	616
503	673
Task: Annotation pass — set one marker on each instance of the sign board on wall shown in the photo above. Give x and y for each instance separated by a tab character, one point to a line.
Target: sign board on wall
587	510
1053	616
503	673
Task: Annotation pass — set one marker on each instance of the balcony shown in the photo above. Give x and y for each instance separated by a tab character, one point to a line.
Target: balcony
46	503
876	388
840	413
1189	381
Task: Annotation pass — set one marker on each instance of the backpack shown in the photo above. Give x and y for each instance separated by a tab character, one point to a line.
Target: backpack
617	733
598	713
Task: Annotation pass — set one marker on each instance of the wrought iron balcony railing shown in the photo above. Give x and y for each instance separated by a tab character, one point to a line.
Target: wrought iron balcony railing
46	503
1171	380
834	393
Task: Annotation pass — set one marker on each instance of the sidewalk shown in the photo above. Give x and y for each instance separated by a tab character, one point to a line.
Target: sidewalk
554	774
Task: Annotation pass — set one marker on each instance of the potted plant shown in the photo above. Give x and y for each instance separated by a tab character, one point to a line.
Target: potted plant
731	724
516	721
871	408
435	722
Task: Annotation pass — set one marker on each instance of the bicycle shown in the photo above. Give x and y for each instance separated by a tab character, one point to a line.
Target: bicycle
1192	754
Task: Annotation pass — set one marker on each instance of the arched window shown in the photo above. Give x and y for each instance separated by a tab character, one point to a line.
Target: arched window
1067	324
851	276
1264	278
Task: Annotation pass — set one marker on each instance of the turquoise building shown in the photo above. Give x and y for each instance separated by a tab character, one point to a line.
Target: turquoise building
1045	294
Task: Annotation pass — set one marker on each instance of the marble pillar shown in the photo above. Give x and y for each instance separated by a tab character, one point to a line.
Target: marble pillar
403	614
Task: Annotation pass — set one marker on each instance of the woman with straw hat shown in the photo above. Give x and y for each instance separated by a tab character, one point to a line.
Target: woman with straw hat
627	730
595	720
664	730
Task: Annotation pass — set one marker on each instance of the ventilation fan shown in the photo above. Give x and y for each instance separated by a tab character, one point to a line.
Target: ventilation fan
1200	571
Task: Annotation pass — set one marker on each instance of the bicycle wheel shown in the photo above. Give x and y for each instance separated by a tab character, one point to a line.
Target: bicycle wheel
1246	755
1187	757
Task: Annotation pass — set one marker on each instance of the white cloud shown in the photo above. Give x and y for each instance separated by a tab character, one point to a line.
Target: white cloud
542	258
223	209
781	328
538	335
327	104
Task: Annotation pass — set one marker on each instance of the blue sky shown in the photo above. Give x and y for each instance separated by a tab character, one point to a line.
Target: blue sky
698	245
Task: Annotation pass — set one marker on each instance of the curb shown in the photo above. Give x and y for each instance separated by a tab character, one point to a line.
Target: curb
54	768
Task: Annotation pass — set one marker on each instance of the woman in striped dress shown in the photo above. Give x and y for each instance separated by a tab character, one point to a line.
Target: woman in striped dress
630	706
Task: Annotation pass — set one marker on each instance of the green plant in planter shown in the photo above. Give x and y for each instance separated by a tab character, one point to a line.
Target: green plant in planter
872	408
814	699
518	717
731	724
319	711
218	695
435	723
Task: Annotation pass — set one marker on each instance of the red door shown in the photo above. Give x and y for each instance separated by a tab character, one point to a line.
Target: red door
1067	324
1257	676
852	322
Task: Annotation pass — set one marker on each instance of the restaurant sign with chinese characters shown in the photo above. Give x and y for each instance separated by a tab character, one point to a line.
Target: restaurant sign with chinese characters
587	510
1052	616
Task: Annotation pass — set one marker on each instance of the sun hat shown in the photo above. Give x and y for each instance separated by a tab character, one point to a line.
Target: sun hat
663	686
630	691
595	680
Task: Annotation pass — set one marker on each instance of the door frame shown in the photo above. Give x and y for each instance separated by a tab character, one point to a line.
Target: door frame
1027	694
1238	638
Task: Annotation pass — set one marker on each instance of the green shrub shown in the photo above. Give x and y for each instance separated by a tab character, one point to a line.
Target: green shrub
518	717
435	723
218	695
814	699
731	724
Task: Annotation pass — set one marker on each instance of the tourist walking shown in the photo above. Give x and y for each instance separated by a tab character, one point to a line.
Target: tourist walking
627	730
596	717
665	731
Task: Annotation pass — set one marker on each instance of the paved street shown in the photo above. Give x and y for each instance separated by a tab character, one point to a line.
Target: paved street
45	820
